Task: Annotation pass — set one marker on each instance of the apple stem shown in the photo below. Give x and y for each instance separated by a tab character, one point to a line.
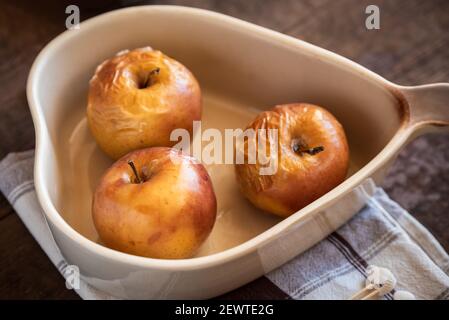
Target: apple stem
133	167
311	151
147	81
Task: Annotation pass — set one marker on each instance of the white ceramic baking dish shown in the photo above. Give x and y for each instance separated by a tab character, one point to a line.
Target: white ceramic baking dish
242	68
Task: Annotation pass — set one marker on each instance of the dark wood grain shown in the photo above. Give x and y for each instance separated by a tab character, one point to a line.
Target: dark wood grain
412	47
25	271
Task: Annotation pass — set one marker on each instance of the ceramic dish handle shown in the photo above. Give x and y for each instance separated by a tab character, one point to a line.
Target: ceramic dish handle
429	106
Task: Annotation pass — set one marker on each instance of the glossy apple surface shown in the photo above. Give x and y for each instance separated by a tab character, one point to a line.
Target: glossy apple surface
312	158
167	215
137	98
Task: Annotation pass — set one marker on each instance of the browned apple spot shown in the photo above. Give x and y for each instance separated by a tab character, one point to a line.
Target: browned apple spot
298	144
204	176
142	208
154	237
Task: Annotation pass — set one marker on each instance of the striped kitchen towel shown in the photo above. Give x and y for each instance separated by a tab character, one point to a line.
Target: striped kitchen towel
381	234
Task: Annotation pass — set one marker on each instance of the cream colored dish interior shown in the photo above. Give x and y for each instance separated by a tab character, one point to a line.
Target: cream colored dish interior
239	77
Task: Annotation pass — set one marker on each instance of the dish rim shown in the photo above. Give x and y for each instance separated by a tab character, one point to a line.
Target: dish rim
247	247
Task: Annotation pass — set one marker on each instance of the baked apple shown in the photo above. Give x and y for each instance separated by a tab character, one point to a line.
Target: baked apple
155	202
312	157
137	98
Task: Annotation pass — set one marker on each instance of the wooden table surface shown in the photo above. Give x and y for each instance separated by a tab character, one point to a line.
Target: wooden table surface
412	47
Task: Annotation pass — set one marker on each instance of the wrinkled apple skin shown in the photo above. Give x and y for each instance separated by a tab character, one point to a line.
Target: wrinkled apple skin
128	109
167	216
300	178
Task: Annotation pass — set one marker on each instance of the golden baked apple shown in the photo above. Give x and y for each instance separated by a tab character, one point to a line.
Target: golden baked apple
155	202
311	155
137	98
